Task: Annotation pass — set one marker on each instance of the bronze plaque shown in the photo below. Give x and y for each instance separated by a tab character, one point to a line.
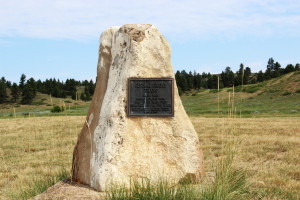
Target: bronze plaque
150	97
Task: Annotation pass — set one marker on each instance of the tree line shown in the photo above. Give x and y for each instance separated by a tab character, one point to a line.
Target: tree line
188	81
25	91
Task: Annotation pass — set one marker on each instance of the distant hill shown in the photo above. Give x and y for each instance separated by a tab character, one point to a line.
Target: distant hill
42	105
276	97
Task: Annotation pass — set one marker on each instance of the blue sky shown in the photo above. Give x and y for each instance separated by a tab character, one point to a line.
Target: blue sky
60	38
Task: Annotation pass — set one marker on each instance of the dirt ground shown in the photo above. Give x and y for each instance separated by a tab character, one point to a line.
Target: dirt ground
70	190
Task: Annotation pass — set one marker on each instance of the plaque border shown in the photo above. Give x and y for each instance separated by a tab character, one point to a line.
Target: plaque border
152	79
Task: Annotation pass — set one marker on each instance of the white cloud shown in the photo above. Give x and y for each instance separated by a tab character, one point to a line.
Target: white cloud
82	19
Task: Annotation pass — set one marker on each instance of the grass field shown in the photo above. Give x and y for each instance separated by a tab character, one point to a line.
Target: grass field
278	97
42	105
268	149
36	146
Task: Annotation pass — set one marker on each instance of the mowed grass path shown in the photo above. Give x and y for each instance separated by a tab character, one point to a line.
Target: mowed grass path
268	149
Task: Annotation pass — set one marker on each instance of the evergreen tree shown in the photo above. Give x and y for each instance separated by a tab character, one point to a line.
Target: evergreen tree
15	92
71	87
8	84
204	80
3	95
91	87
239	75
82	96
289	68
85	96
297	67
209	81
214	82
22	81
277	70
74	95
198	81
260	76
3	80
227	77
273	69
247	74
190	81
29	91
181	80
270	69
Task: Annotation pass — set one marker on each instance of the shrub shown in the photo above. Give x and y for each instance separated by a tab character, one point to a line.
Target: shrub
57	109
251	89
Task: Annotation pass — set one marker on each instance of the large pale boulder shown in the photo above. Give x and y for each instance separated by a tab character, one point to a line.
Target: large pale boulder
112	147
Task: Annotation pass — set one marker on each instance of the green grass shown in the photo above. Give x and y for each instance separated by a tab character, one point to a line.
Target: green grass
38	186
279	97
144	189
229	183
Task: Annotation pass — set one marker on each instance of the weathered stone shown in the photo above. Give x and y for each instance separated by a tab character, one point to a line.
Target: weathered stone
112	148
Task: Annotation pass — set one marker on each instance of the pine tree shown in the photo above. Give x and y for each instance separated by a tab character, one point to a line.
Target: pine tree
3	95
270	69
22	81
29	92
277	70
289	68
239	76
181	80
15	92
260	76
247	74
227	77
91	87
215	82
209	81
8	84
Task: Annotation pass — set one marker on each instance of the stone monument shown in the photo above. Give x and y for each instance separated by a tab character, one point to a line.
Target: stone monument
136	126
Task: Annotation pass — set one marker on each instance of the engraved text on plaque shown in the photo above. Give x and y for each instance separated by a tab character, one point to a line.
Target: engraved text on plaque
150	97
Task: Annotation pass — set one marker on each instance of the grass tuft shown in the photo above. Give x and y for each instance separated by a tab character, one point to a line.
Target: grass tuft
38	186
146	190
229	184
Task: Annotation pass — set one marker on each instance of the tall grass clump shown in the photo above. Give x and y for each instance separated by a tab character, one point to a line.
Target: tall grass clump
230	183
146	190
38	186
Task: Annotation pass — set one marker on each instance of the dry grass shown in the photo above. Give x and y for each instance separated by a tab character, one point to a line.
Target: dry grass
33	149
269	148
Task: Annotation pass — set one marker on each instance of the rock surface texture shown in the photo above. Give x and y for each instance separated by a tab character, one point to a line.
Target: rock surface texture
114	148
